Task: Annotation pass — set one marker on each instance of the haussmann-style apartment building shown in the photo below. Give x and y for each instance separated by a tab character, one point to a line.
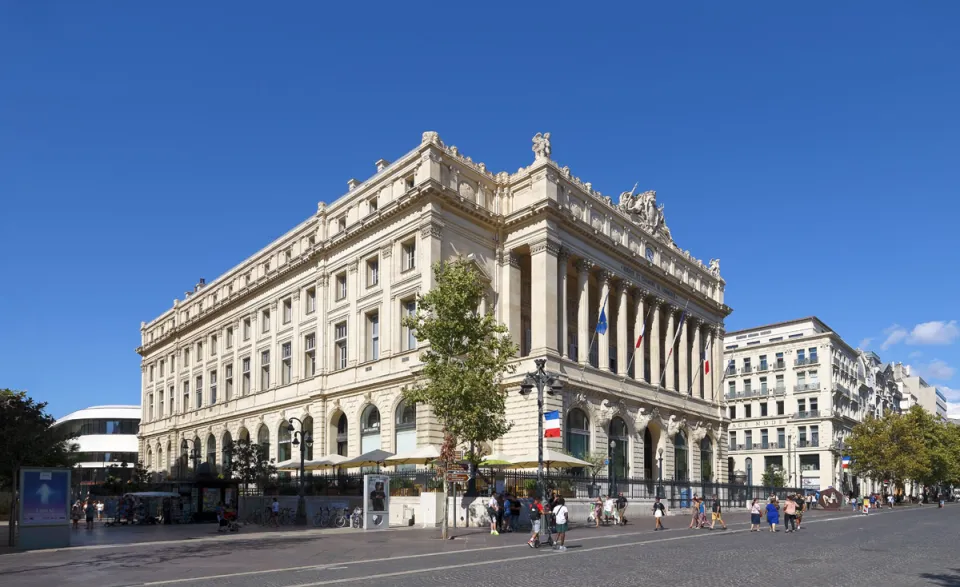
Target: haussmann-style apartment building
309	326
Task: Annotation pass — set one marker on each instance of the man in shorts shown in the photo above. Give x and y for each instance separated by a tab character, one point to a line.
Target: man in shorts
536	512
717	513
621	509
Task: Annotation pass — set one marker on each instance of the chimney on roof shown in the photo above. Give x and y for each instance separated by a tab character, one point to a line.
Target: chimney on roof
381	164
352	184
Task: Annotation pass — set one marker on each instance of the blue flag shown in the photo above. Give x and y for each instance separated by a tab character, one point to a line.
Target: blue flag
602	322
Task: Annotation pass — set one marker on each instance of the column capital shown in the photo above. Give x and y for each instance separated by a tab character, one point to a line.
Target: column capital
657	302
626	286
607	277
431	231
564	254
695	320
583	265
386	251
552	247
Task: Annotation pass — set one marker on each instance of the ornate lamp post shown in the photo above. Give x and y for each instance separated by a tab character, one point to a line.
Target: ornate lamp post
660	469
542	381
194	453
305	442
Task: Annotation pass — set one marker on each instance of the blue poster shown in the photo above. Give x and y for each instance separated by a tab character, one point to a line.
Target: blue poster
45	497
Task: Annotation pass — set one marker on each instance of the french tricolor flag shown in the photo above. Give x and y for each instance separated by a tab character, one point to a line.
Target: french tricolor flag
551	424
706	359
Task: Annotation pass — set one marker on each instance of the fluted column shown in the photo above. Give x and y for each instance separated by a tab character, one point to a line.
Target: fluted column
638	357
716	367
683	358
622	338
562	261
604	339
671	379
510	306
697	376
543	280
655	348
583	312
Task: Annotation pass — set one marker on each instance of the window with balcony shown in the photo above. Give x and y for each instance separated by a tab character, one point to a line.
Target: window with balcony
732	389
763	362
748	438
801	405
813	404
264	370
814	378
780	384
780	363
286	363
310	355
747	387
340	345
812	353
763	386
802	435
781	437
801	382
731	367
764	440
801	357
746	365
340	290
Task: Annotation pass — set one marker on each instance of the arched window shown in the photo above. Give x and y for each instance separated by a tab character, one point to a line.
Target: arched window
227	450
308	431
370	429
211	450
681	471
749	465
171	457
618	453
150	458
283	443
706	459
263	439
578	433
160	463
342	435
405	430
244	435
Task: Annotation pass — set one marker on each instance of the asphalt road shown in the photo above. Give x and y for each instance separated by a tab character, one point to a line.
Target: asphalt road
908	546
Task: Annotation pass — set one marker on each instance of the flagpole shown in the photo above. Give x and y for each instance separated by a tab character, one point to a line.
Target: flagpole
634	355
592	340
663	372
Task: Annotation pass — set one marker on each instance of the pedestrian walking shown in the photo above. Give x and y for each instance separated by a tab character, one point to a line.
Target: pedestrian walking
890	500
90	511
505	526
493	506
560	514
275	513
621	509
99	510
695	509
801	506
597	511
536	513
755	515
773	515
658	513
75	515
790	514
717	515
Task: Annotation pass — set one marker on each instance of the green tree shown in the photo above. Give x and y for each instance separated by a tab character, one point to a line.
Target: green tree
28	438
897	447
249	463
772	477
467	355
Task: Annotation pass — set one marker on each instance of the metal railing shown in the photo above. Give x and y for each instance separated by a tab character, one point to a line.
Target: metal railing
730	371
807	386
779	365
806	415
806	361
779	390
813	443
762	367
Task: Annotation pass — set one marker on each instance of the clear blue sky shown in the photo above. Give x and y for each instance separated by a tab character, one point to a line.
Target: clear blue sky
813	149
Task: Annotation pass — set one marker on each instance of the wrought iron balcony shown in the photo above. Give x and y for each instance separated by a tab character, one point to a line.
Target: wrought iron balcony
812	443
762	367
807	386
730	371
780	390
806	361
777	366
806	415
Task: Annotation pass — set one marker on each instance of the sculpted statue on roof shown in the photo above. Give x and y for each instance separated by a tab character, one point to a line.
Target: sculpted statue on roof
643	210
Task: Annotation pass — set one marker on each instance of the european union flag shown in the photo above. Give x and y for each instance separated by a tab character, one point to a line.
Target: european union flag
602	322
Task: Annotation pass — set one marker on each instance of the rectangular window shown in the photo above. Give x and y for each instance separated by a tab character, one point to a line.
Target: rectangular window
748	438
802	433
311	300
780	363
228	381
149	407
409	254
198	391
781	437
747	411
763	410
151	373
780	382
732	388
746	365
408	335
763	362
213	387
813	354
229	341
264	370
341	286
733	440
199	352
265	318
161	368
763	385
747	386
245	375
213	345
340	345
173	364
341	224
372	204
185	406
814	436
373	272
813	404
801	405
764	439
780	408
801	357
287	310
286	363
733	412
801	380
373	336
246	329
731	367
173	400
310	355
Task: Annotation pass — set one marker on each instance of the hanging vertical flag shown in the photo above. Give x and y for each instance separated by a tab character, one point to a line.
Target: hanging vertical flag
643	326
677	335
602	320
706	359
551	424
845	462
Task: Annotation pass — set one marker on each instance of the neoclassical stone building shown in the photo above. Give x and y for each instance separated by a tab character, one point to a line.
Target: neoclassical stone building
309	327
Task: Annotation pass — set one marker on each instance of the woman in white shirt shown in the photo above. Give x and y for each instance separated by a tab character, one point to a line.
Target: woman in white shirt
493	507
560	512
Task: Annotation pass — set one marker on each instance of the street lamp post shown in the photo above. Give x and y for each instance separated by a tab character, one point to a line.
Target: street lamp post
305	442
542	381
660	468
613	467
194	453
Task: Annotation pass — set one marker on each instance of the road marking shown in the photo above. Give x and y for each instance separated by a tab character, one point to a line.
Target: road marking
472	550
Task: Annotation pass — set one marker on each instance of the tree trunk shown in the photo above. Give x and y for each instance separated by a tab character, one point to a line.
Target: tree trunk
444	524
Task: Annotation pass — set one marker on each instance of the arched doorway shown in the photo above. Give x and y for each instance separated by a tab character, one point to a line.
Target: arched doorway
211	451
706	460
578	433
226	451
149	458
405	430
160	463
681	462
619	466
342	435
649	457
284	448
731	474
370	429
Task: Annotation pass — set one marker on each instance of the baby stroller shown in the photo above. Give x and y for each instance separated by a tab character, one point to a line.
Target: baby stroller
228	522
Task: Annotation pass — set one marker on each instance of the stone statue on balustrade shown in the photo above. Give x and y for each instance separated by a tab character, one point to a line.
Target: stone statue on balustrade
541	146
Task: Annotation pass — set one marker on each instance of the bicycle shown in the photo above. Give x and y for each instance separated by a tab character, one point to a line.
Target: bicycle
321	518
286	516
357	518
342	518
254	517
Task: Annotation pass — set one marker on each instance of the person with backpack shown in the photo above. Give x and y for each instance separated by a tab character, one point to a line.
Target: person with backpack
536	513
621	509
717	513
658	513
505	525
560	514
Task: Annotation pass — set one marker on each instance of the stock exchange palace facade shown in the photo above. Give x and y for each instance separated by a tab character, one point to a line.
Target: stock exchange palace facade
309	327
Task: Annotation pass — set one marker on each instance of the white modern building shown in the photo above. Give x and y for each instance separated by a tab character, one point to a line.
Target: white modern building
794	391
918	392
309	326
106	436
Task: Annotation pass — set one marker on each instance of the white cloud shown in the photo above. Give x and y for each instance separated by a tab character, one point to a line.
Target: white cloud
936	369
953	410
950	394
936	332
865	343
915	354
895	334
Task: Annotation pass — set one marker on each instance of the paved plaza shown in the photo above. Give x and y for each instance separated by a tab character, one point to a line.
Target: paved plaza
907	546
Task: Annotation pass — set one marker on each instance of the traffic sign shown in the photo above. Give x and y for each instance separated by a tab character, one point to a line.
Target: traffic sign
457	476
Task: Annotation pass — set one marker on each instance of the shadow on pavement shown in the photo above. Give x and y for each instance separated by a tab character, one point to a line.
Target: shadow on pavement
945	579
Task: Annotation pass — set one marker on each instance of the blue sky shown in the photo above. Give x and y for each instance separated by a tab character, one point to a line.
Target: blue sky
812	149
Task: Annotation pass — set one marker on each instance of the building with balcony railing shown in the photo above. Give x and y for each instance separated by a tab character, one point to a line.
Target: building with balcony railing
823	394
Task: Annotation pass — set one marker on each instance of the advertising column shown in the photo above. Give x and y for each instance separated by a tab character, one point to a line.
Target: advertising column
376	498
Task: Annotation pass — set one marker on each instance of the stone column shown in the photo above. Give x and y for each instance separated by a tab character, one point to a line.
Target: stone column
654	342
543	280
583	312
638	359
562	261
296	346
683	359
697	377
670	378
716	349
623	342
510	304
603	340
